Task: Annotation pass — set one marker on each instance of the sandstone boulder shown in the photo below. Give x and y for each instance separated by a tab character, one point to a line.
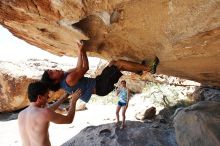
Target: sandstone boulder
146	114
183	34
13	92
206	94
198	124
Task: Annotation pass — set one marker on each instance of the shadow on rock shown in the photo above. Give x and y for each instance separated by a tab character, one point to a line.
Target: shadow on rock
8	116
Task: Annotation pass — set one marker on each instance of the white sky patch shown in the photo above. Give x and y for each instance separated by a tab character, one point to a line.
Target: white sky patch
14	49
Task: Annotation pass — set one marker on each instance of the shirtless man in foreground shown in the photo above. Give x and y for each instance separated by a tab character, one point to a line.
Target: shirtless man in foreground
34	121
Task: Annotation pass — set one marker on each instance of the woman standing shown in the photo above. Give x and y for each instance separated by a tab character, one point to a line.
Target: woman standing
123	94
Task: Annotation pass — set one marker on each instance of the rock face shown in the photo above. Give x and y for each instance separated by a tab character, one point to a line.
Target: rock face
146	114
14	80
13	92
136	133
185	35
199	125
206	94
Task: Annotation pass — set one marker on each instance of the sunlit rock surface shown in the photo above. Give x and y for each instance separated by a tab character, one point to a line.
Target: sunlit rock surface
185	35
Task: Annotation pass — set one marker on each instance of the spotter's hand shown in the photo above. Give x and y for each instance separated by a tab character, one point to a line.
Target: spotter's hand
76	95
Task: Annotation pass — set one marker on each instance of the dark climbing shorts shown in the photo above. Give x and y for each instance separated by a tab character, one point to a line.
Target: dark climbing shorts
122	104
106	80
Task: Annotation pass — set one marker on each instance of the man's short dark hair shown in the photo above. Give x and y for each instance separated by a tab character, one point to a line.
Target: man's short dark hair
35	89
47	80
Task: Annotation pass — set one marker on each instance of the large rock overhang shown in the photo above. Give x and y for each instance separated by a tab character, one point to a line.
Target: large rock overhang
185	35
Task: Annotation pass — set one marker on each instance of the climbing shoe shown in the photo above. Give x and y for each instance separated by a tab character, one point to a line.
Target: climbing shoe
154	65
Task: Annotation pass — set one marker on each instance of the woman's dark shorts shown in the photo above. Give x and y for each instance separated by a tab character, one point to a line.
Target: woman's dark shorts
121	104
106	80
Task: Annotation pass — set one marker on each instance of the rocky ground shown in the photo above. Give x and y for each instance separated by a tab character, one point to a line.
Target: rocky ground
136	133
